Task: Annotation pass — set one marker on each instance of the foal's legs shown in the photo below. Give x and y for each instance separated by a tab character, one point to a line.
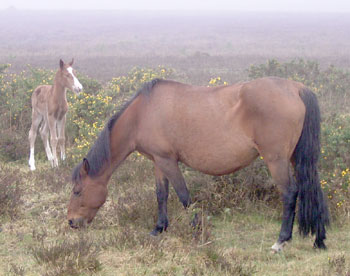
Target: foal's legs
167	169
36	119
53	135
44	132
281	173
61	136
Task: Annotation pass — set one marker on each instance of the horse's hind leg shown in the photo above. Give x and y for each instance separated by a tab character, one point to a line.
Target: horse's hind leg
162	191
282	175
44	133
36	119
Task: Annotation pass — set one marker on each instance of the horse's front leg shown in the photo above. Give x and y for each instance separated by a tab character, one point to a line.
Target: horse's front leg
61	136
162	190
170	169
54	140
167	169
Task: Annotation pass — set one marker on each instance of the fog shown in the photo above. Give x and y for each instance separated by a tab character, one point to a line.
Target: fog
210	5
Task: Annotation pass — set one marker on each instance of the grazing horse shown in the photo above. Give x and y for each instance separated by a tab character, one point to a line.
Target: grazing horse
49	104
215	130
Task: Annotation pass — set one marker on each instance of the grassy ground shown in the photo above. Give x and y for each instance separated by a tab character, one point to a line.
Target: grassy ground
35	239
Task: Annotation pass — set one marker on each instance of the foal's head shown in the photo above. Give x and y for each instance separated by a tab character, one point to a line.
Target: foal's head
89	194
67	77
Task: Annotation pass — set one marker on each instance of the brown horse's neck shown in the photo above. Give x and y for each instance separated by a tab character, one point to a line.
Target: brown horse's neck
59	92
122	138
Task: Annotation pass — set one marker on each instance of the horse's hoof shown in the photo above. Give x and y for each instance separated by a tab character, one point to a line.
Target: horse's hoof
320	245
157	230
278	247
31	165
154	233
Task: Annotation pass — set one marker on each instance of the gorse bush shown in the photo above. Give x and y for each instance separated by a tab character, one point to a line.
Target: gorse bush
86	118
217	81
335	161
127	85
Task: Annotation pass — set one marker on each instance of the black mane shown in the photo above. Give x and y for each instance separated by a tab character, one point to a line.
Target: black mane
99	153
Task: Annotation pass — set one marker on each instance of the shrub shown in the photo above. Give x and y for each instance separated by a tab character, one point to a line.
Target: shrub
11	191
67	257
335	162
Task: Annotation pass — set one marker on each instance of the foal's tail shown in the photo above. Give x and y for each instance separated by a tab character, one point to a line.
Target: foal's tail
313	210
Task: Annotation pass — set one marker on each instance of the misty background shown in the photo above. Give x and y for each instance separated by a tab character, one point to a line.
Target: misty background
210	5
198	37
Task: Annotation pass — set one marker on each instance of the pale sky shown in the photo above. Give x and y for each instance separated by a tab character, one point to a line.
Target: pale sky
225	5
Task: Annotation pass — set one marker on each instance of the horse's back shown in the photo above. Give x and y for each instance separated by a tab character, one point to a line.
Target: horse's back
40	97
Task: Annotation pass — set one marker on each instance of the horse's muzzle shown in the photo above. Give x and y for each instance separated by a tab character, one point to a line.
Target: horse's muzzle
71	224
76	223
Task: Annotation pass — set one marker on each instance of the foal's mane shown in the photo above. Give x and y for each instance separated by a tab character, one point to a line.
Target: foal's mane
99	153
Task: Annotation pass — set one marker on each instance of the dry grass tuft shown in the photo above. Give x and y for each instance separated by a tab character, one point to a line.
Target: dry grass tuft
11	191
338	265
67	257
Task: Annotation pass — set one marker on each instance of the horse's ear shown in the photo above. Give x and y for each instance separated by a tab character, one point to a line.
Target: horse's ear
61	64
85	168
71	63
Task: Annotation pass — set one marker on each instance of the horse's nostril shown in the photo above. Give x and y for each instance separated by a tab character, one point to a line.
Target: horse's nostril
70	222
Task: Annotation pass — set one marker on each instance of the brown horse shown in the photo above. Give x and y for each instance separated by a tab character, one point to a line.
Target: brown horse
217	131
49	103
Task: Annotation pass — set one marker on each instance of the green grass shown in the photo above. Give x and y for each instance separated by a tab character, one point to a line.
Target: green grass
235	241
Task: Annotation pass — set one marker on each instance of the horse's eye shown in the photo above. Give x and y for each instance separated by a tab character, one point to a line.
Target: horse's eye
77	193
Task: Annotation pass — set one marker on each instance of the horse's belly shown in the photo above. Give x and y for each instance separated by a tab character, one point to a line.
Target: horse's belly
219	159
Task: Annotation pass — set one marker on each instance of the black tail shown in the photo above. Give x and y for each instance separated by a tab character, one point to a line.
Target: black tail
313	210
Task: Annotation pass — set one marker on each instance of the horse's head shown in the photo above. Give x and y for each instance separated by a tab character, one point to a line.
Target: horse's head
68	78
88	195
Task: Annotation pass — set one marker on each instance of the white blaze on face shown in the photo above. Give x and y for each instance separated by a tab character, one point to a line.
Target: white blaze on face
77	85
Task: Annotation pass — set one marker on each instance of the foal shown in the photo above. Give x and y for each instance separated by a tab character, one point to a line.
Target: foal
49	104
